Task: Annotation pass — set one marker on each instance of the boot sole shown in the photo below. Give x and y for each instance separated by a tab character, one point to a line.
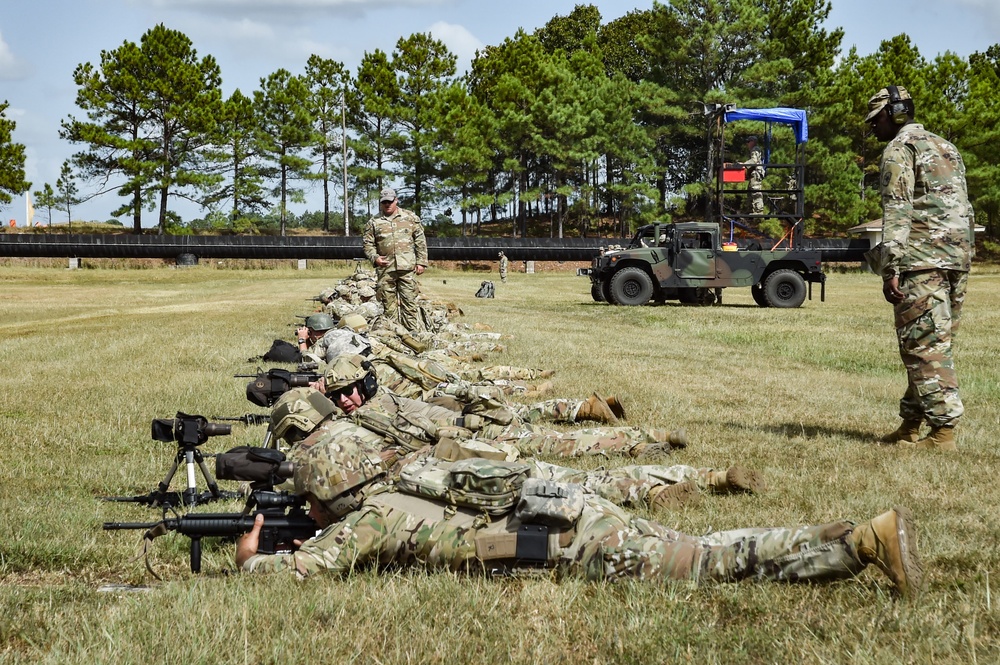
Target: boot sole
906	537
679	496
740	479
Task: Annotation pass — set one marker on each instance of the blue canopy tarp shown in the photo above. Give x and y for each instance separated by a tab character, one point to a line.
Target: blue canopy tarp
786	116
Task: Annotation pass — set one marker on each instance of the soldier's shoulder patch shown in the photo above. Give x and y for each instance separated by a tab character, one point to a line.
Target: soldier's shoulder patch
886	177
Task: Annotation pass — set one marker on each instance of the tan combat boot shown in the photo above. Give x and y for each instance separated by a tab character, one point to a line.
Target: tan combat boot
546	374
596	408
890	542
664	442
539	390
908	431
940	438
616	407
735	480
675	497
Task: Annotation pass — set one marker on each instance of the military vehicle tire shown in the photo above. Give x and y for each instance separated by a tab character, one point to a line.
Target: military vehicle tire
759	296
785	288
596	293
606	292
631	286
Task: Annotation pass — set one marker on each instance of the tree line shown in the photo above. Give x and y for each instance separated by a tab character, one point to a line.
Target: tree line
579	121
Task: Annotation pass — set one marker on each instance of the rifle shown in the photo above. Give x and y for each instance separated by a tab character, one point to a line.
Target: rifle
285	519
279	532
267	387
247	419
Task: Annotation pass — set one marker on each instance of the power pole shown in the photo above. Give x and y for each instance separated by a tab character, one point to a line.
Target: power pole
343	146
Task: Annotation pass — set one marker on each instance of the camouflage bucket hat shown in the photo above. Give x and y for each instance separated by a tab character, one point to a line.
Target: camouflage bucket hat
320	321
881	100
302	408
344	371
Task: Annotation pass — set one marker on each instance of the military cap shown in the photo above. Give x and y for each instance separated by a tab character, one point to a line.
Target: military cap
387	194
329	471
751	138
881	100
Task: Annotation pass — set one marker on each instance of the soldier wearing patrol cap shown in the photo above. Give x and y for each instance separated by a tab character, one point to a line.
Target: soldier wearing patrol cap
924	260
395	244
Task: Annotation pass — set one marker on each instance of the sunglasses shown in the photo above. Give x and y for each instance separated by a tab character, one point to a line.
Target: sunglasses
346	391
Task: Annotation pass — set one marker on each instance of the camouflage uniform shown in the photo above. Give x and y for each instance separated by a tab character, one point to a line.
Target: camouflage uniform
503	267
928	243
392	529
420	421
338	341
755	180
399	238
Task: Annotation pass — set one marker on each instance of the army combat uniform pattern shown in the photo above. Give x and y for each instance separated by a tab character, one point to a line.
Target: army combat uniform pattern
390	529
928	242
400	238
422	421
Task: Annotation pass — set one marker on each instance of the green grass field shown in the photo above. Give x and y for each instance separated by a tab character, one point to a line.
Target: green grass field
89	357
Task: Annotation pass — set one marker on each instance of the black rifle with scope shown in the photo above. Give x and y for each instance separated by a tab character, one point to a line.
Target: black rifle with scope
285	517
268	386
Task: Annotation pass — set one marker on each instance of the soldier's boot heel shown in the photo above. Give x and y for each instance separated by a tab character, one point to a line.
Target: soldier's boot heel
675	497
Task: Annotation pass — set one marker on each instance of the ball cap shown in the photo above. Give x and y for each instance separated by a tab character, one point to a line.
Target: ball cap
387	194
881	99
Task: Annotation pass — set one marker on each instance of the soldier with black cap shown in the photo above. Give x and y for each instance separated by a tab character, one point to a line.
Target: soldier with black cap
395	244
924	260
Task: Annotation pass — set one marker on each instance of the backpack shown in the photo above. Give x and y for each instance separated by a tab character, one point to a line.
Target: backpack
492	486
485	290
282	352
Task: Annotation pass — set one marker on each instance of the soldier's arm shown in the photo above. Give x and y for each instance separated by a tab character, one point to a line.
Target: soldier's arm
368	242
419	243
897	182
355	541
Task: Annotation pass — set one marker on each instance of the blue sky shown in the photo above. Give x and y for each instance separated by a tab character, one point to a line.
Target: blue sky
42	41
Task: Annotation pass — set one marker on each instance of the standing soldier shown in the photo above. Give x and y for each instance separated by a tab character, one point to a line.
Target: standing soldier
924	260
395	244
755	176
503	267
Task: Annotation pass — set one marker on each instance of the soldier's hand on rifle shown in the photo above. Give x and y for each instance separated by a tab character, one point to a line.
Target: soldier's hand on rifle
248	543
319	384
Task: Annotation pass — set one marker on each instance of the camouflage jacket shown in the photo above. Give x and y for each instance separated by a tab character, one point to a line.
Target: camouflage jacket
392	529
337	342
399	238
927	218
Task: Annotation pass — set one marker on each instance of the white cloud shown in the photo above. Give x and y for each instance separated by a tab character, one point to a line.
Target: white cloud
11	67
459	41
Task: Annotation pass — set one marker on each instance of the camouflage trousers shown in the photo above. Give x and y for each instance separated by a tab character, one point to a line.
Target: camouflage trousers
754	195
497	372
625	485
611	545
533	440
397	292
926	324
554	410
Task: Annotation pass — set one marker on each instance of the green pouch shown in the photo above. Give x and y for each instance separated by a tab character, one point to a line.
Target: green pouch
492	486
549	503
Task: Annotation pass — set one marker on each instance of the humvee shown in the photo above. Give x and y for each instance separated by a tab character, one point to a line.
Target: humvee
687	261
693	263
